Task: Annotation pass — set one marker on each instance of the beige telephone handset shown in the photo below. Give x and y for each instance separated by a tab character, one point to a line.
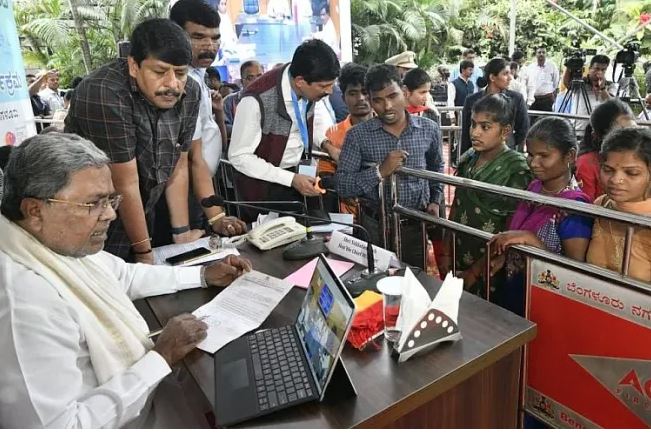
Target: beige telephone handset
278	232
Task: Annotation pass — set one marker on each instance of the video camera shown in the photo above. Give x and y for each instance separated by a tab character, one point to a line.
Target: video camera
575	60
628	56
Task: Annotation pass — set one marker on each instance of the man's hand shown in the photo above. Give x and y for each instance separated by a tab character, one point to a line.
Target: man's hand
393	160
179	337
188	236
146	257
217	102
222	273
306	185
229	226
433	209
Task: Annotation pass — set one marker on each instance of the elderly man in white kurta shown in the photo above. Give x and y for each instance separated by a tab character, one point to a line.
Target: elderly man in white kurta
74	350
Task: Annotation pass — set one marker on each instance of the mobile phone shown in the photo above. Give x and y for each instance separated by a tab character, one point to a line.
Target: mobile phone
184	257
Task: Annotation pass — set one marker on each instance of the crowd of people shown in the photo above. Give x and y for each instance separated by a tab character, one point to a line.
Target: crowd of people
144	136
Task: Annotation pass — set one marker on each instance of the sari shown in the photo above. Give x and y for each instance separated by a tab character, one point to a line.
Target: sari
482	210
607	245
552	226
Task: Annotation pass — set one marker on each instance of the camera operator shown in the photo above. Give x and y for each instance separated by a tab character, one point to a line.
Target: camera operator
597	88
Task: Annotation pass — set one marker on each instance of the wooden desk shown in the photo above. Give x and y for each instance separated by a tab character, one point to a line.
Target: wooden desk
470	383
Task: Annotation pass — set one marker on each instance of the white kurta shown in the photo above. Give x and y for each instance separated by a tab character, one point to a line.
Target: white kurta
47	378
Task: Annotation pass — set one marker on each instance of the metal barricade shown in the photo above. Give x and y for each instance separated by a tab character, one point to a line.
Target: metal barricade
630	220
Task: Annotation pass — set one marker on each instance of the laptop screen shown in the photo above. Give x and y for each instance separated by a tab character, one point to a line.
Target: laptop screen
323	322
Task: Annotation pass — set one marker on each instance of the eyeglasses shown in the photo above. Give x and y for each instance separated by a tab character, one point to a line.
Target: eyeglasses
94	207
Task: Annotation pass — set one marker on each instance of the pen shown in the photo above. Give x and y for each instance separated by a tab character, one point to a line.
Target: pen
155	333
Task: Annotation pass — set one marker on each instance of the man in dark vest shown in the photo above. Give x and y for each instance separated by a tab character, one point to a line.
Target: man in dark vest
273	127
463	86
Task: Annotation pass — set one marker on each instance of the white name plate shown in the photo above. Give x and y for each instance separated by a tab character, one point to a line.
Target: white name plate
354	249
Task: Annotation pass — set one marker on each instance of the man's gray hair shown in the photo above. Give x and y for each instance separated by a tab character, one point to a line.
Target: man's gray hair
41	166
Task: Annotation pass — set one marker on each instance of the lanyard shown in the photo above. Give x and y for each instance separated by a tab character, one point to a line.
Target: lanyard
301	120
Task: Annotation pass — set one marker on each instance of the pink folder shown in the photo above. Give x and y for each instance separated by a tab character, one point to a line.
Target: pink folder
301	277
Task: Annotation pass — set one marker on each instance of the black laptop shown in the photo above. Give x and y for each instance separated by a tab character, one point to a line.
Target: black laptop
281	367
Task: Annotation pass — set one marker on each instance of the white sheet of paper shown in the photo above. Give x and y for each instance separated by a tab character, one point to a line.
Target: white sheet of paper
337	218
164	252
264	218
240	308
414	303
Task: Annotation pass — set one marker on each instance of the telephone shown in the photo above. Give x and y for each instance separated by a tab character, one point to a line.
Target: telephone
278	232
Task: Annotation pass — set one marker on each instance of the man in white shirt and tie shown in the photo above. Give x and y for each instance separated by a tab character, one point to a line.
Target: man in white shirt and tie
543	77
75	352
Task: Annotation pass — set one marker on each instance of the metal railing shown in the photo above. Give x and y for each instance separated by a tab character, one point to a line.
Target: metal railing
630	220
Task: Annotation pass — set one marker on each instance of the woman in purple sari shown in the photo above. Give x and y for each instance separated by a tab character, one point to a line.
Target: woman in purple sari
551	151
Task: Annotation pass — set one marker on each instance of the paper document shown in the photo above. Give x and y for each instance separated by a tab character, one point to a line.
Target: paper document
164	252
264	218
337	218
240	308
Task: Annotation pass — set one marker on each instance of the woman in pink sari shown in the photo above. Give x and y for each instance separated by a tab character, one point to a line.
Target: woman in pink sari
551	151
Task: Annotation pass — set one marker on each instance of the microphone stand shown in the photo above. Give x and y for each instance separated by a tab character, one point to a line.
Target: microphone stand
366	280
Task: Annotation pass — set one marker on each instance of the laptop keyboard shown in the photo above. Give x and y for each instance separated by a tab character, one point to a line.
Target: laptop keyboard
280	375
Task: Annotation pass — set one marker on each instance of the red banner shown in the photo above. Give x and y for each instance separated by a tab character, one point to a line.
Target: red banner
590	364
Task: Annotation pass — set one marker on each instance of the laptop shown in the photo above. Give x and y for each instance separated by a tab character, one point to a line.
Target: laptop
273	369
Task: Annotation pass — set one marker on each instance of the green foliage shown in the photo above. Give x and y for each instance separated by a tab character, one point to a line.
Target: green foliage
383	28
50	40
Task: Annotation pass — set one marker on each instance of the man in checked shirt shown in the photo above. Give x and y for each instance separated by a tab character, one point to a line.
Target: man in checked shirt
390	140
142	112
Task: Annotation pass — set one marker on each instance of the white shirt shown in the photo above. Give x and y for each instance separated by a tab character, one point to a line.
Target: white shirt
544	80
47	379
207	129
52	98
529	87
247	134
324	118
520	87
577	105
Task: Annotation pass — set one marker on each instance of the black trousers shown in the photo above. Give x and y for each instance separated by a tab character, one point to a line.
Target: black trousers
543	103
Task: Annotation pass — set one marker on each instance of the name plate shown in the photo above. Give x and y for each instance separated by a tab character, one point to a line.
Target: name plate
354	249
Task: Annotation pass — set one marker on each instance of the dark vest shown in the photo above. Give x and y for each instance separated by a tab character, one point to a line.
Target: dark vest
275	124
463	90
439	93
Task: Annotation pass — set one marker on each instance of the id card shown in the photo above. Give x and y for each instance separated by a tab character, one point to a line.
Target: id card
308	167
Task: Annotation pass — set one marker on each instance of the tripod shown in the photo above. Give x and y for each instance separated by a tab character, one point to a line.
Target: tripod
630	90
577	90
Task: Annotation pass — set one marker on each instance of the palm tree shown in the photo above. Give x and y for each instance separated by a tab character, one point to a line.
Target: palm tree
83	38
382	28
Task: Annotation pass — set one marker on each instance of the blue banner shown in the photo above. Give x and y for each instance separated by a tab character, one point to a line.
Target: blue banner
16	118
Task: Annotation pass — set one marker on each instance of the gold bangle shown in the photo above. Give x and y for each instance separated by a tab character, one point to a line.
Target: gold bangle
214	219
148	239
